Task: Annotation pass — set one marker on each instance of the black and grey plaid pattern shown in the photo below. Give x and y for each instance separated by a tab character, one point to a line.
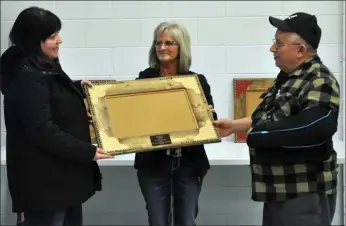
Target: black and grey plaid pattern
311	85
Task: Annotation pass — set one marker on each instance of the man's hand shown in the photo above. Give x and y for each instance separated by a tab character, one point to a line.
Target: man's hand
224	127
86	82
100	155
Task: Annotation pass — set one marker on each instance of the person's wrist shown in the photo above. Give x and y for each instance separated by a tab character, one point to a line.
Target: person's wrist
231	124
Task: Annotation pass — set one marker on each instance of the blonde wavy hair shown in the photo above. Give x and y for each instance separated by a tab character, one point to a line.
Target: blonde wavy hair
181	36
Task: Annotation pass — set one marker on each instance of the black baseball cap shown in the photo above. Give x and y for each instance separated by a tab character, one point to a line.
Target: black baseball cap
301	23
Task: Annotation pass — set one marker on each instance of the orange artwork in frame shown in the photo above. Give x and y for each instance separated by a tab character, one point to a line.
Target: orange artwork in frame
247	92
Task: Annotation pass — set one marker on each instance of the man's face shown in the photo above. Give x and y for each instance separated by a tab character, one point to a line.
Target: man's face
287	50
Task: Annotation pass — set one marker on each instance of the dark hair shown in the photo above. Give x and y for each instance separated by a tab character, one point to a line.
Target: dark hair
32	26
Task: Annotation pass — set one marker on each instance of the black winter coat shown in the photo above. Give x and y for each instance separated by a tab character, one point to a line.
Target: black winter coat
49	153
194	156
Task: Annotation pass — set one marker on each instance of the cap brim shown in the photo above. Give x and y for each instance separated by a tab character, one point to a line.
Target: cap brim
279	24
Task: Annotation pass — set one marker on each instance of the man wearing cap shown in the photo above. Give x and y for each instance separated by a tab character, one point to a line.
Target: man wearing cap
293	163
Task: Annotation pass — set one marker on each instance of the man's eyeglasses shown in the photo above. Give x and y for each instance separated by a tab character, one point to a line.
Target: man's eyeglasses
279	45
166	43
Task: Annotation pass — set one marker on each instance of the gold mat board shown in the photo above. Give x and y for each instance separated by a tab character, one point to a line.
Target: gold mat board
149	114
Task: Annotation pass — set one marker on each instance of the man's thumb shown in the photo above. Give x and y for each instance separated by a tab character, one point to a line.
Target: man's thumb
217	122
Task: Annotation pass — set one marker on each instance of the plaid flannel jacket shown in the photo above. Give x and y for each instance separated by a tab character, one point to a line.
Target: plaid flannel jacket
272	182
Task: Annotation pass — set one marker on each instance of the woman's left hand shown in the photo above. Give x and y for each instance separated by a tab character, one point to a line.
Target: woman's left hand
86	82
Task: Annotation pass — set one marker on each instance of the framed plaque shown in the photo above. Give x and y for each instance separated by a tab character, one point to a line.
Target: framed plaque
149	114
247	94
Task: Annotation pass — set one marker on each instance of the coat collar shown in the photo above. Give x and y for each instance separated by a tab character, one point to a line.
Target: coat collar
57	72
305	66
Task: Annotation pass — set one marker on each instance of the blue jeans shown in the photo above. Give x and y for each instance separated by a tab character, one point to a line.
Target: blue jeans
311	209
66	217
182	184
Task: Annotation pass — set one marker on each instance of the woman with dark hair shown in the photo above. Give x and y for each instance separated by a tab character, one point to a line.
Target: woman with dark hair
51	167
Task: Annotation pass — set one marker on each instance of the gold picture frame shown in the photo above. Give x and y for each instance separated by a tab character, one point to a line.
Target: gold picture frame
91	125
149	114
247	92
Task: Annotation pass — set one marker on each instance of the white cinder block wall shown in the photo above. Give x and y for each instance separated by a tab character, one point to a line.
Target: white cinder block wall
230	39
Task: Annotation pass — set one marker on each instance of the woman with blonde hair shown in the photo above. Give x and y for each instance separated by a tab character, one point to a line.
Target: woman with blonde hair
176	173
